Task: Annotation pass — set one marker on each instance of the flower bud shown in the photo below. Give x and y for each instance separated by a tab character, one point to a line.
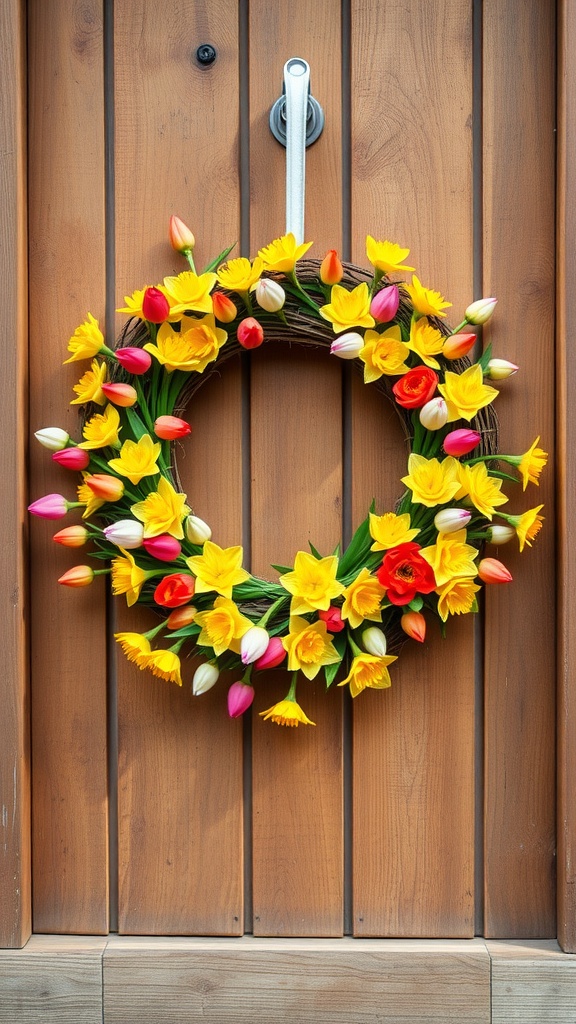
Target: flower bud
414	625
240	697
205	677
384	305
434	414
51	506
164	547
500	534
181	617
273	655
333	619
223	307
175	590
270	295
123	395
125	533
458	345
52	438
197	531
374	641
72	536
449	520
72	458
460	442
181	238
250	333
500	369
169	428
108	488
79	576
134	360
347	346
480	311
253	644
331	269
155	306
490	570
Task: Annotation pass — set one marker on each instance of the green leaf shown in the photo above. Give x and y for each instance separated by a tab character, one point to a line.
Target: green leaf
137	427
219	259
485	358
314	551
282	568
337	551
357	551
416	603
330	673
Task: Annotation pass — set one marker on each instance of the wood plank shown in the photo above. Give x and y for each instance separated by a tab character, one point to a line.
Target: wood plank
15	879
68	652
532	983
413	795
296	496
519	256
180	786
53	980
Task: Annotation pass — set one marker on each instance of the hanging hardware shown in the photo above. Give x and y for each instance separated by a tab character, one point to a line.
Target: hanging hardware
206	55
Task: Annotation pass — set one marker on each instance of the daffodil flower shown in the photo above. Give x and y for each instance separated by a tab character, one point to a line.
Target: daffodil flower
466	393
240	274
390	530
386	256
483	490
426	301
426	341
431	482
384	353
86	341
312	583
456	597
218	569
451	556
89	387
362	599
368	670
309	647
348	309
282	254
137	459
189	291
128	577
162	511
196	344
101	431
223	626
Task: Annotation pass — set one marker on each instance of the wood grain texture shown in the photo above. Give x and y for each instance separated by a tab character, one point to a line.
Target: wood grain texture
68	642
296	458
53	981
413	794
180	784
532	983
519	258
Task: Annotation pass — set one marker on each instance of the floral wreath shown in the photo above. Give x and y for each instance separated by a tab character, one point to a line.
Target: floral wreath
351	607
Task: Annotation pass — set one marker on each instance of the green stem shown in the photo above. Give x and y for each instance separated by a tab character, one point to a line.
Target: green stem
310	302
291	695
188	254
460	326
268	615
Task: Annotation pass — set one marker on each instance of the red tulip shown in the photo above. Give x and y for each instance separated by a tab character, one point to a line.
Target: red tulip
72	458
155	306
135	360
164	547
250	333
175	590
169	428
333	619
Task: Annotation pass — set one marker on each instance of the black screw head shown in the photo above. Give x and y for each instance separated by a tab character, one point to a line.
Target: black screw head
205	55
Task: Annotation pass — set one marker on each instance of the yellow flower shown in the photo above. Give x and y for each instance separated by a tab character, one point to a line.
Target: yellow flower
239	275
431	482
389	530
89	387
162	511
348	309
134	302
137	459
189	291
223	626
425	300
282	254
135	646
309	647
127	577
312	583
527	526
196	344
456	597
165	665
426	341
101	431
386	256
483	490
367	670
451	556
218	569
88	498
466	393
531	464
86	341
362	599
383	353
286	712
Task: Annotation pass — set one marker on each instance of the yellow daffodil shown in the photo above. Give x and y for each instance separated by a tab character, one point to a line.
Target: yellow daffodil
451	556
527	526
309	647
362	599
165	665
367	670
88	498
101	431
384	353
86	341
286	712
426	301
431	482
389	530
466	393
456	597
162	511
222	627
134	302
530	465
137	459
282	254
386	256
135	646
127	577
189	291
196	344
89	387
426	341
312	583
218	569
239	275
348	309
483	490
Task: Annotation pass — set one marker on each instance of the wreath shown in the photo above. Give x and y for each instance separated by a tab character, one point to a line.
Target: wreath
352	607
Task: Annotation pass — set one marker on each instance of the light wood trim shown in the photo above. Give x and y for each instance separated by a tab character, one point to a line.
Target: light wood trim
532	982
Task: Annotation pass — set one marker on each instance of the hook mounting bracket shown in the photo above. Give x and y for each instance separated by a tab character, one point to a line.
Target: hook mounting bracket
314	113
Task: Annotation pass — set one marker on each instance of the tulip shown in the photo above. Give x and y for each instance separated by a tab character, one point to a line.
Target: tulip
204	678
51	506
253	644
449	520
125	533
333	619
384	305
164	547
458	345
240	697
414	625
175	590
434	414
480	311
270	295
224	308
347	346
79	576
250	333
109	488
181	238
331	269
273	655
169	428
460	442
72	536
500	369
197	531
52	438
374	641
72	458
490	570
500	534
181	617
134	360
120	394
155	306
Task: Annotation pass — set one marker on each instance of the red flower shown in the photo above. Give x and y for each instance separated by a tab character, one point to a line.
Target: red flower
404	573
175	590
416	387
333	619
155	306
250	333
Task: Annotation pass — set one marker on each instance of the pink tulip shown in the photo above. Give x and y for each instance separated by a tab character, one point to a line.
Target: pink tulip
123	395
384	305
171	427
51	506
72	458
460	442
240	697
164	547
155	306
250	333
490	570
273	655
457	345
135	360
